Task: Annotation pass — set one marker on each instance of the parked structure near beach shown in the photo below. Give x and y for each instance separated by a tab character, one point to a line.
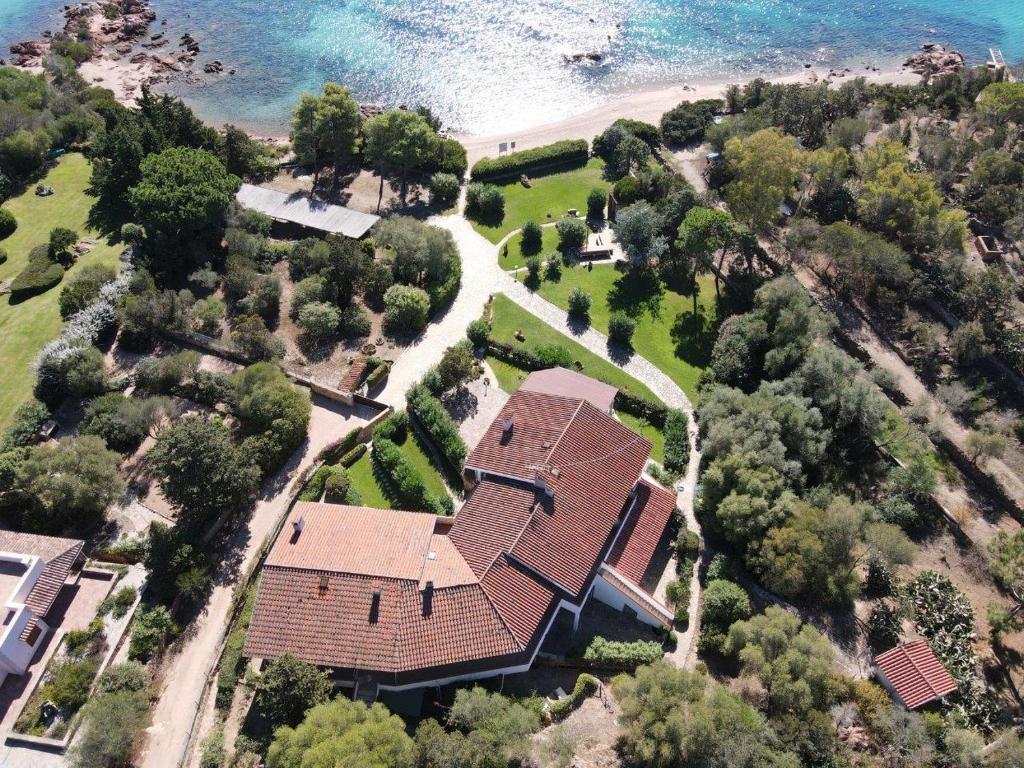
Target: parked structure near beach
558	513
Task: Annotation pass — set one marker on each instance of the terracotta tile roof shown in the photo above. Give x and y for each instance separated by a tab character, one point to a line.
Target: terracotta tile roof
634	592
335	626
521	599
58	555
566	383
642	531
354	375
491	520
915	674
593	469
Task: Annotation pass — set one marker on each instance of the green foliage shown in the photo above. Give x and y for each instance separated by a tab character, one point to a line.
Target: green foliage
579	303
458	366
568	153
444	187
621	328
122	422
343	734
572	234
765	167
83	288
129	676
7	223
288	687
40	274
1004	101
274	414
119	603
677	594
638	230
109	726
399	141
724	603
254	340
627	191
530	242
585	687
29	417
688	121
202	473
597	199
884	627
406	309
677	442
318	321
485	203
602	652
404	481
164	375
152	630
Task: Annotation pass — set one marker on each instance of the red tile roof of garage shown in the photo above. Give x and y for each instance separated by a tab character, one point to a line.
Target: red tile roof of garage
638	541
915	674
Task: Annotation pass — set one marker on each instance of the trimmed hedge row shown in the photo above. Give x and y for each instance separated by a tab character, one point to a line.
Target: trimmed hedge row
442	429
333	452
569	151
353	456
377	376
405	482
585	687
513	355
677	442
651	412
626	655
443	294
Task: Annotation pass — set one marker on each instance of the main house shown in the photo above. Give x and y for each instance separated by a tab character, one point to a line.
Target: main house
33	570
558	512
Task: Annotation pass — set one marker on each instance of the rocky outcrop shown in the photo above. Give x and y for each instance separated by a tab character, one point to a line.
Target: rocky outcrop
934	59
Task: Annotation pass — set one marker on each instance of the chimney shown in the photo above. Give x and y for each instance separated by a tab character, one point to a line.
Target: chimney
428	598
375	606
508	423
298	525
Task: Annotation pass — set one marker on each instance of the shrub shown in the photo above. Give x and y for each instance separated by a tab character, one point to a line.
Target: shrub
553	356
724	603
319	321
39	275
585	687
79	372
687	546
688	121
485	202
597	199
649	411
306	291
626	655
132	234
572	234
84	288
118	604
128	676
444	187
533	265
884	627
7	223
627	191
339	448
355	322
478	332
62	240
377	376
122	422
109	728
69	684
402	478
288	687
531	239
406	309
152	629
353	456
677	442
441	428
3	255
207	315
568	152
621	328
678	595
579	303
163	375
254	340
29	417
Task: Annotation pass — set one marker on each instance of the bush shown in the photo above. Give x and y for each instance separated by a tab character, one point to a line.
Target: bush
319	321
687	547
406	309
884	627
444	187
553	356
108	732
597	199
353	456
724	603
119	603
132	234
677	593
39	275
7	223
651	412
585	687
532	238
339	448
688	121
84	288
478	332
677	442
377	376
625	655
122	422
163	375
69	684
355	322
80	372
254	340
129	676
402	478
29	417
579	303
288	687
533	265
152	629
572	234
485	202
568	152
441	428
306	291
621	328
627	191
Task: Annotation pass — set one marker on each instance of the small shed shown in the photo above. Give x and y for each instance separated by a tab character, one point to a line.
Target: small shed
301	210
913	674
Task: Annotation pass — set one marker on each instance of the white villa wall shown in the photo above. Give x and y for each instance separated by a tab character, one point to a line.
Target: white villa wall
614	598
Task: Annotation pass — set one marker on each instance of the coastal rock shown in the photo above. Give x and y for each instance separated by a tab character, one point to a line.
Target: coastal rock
575	58
934	59
34	48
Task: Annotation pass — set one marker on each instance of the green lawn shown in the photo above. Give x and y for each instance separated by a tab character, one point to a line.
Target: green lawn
365	481
511	256
546	199
667	332
508	317
27	326
651	432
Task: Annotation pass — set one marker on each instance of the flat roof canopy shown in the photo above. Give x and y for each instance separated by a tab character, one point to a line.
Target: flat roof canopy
300	209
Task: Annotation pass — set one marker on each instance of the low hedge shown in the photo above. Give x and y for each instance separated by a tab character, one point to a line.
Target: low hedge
586	686
377	376
677	442
619	654
333	452
441	428
353	456
567	152
39	275
648	410
513	355
404	481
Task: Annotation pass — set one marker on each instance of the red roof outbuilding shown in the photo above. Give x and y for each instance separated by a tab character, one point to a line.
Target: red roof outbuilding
914	674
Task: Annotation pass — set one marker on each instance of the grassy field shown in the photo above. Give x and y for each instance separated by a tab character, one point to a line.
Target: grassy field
512	257
651	432
509	317
667	332
27	326
546	199
365	481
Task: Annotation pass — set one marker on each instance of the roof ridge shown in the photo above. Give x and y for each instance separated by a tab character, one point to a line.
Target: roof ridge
565	429
918	669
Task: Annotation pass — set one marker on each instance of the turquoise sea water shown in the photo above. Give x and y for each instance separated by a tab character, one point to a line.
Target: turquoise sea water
487	65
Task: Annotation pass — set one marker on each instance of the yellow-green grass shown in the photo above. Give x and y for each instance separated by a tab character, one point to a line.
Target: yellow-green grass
668	334
27	326
373	492
512	257
508	317
548	198
651	432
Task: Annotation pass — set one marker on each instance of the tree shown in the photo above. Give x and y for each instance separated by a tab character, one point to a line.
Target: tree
1003	100
181	198
725	603
304	137
202	473
288	688
572	234
70	484
792	660
531	238
337	125
704	232
765	167
458	365
318	320
637	228
62	240
485	202
274	414
122	422
632	154
444	187
406	309
688	121
579	303
597	199
621	328
986	442
109	725
343	734
397	142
